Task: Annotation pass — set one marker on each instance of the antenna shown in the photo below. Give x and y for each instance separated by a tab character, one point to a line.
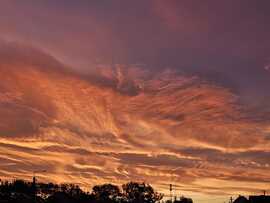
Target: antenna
34	175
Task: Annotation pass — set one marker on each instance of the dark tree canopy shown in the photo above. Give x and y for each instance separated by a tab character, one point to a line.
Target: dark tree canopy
20	191
106	193
140	192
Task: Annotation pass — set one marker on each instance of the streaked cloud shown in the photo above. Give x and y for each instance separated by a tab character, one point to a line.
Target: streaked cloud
127	123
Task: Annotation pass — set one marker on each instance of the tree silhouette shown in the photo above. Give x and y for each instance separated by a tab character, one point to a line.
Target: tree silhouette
185	200
106	193
20	191
59	197
140	193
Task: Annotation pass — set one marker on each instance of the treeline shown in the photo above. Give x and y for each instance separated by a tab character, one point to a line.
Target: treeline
19	191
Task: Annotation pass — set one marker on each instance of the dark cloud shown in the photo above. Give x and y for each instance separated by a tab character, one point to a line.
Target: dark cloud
158	160
210	39
250	158
15	148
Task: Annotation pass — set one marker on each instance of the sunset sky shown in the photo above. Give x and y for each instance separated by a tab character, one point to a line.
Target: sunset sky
159	91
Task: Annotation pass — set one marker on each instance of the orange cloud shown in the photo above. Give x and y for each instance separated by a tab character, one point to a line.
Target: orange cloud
128	124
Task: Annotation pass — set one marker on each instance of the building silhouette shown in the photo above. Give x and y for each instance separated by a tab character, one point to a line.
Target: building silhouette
241	199
259	199
253	199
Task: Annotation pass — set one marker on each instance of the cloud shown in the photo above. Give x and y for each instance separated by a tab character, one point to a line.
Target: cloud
24	105
95	128
216	45
158	160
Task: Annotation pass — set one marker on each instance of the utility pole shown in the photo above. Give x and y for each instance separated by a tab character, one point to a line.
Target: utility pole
171	185
171	192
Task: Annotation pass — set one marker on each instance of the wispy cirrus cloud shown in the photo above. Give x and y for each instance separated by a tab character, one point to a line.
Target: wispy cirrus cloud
174	127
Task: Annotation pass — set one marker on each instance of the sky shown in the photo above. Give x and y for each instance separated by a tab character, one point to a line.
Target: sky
156	91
